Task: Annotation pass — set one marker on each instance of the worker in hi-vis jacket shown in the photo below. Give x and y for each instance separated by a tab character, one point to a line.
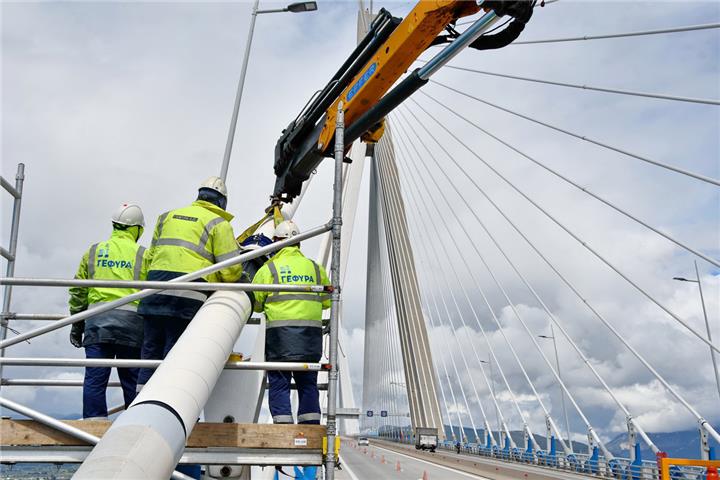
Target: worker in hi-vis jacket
116	333
185	240
293	328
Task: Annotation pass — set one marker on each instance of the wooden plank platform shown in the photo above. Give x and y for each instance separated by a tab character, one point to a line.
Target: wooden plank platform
204	435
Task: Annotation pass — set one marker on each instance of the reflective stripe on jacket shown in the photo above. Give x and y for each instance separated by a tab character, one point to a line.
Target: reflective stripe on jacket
119	258
186	240
293	320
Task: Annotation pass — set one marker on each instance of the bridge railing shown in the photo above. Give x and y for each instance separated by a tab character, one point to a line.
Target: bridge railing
595	465
590	464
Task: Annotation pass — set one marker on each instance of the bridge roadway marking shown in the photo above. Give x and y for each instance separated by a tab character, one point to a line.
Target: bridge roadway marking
436	465
347	469
356	466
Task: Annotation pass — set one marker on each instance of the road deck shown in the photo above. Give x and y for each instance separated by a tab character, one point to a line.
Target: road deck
366	462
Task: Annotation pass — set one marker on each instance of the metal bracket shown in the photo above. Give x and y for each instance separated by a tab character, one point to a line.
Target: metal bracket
345	412
548	432
704	444
632	438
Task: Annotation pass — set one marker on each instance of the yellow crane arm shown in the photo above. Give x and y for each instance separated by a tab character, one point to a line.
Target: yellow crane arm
412	37
364	83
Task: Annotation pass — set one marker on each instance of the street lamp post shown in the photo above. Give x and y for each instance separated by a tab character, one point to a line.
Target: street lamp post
707	323
492	379
298	7
562	393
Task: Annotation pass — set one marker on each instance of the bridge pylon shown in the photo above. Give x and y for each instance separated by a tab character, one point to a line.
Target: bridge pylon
386	205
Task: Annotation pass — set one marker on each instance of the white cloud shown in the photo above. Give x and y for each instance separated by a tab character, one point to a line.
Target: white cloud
106	102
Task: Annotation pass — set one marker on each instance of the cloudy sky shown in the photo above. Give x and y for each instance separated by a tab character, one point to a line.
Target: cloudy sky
108	102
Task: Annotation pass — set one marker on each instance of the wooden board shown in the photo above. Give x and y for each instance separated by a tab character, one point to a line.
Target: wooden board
228	435
251	435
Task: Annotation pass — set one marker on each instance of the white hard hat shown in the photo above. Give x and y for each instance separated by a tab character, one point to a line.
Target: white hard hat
215	183
286	229
129	214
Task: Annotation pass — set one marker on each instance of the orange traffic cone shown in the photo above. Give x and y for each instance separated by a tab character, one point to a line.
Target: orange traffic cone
712	473
397	467
382	459
425	475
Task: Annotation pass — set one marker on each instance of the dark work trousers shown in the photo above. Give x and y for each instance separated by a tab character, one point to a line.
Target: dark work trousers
308	397
96	378
161	333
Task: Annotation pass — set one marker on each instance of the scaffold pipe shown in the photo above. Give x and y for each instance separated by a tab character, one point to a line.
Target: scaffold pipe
145	293
159	285
147	440
129	363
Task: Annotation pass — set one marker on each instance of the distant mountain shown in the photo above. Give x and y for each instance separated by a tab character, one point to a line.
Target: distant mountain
683	444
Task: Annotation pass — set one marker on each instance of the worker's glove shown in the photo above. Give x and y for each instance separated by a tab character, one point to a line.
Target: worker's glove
76	334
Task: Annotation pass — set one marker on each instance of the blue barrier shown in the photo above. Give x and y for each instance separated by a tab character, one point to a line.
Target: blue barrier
634	470
552	454
676	473
573	462
591	466
529	455
541	457
506	450
617	469
515	454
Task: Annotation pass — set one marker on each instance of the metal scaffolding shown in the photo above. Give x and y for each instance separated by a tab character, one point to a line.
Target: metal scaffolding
400	247
11	253
143	415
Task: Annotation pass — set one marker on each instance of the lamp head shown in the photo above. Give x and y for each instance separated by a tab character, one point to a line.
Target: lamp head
300	7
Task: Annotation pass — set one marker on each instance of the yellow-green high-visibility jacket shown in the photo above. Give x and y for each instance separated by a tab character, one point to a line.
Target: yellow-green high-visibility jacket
119	258
293	320
186	240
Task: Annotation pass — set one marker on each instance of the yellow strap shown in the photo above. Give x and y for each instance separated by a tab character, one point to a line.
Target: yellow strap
251	229
277	215
273	212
